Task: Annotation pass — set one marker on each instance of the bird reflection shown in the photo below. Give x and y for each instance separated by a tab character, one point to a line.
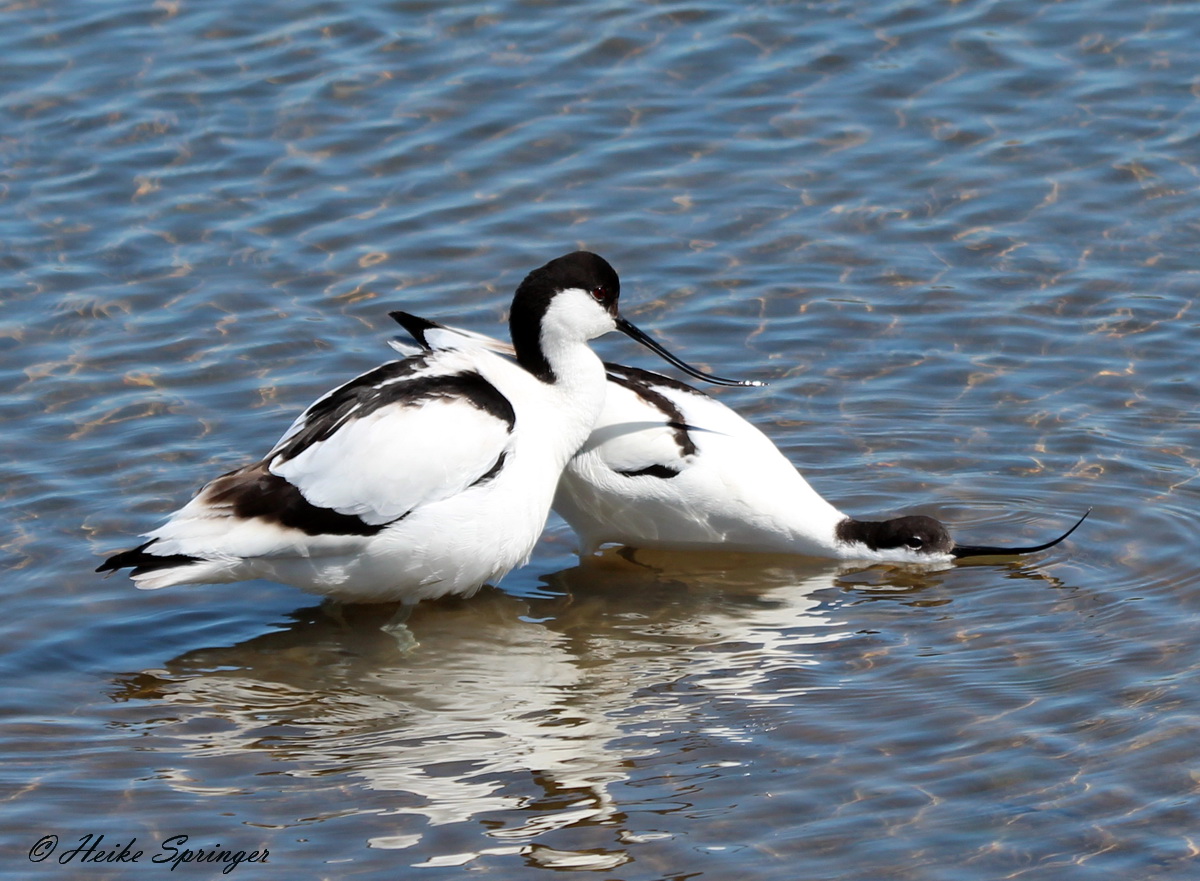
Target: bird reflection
557	695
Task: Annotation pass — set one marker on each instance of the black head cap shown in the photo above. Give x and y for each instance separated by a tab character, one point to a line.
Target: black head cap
580	270
917	533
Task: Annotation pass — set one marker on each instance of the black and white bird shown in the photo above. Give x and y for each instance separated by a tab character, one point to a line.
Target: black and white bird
425	477
669	467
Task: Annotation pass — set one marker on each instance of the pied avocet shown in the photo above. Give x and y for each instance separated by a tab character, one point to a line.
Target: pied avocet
669	467
422	478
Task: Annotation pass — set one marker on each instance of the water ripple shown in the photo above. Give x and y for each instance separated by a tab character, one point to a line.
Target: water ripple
955	238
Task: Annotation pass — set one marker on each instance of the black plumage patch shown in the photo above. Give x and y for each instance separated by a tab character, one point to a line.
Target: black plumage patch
393	383
917	533
661	471
642	383
141	561
581	270
254	491
491	472
416	326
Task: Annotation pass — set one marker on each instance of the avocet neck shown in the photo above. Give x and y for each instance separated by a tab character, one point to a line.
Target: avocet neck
573	377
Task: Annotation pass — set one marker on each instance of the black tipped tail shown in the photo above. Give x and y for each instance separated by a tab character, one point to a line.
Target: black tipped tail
139	560
988	551
416	326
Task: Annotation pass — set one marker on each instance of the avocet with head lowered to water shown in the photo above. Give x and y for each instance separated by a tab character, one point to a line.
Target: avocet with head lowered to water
671	468
422	478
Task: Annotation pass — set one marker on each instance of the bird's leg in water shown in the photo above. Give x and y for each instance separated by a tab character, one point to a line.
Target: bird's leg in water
397	628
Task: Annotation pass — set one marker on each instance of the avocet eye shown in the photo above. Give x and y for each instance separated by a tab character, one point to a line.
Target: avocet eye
915	542
600	294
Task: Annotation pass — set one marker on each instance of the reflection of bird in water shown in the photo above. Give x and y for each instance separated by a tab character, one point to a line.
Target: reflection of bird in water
669	467
529	712
455	728
422	478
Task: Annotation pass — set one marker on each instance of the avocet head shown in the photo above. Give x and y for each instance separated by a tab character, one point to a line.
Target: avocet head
573	298
917	538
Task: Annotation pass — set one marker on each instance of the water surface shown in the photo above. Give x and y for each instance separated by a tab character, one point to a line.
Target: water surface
958	241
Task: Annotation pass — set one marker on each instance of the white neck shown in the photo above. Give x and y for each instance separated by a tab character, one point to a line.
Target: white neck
579	389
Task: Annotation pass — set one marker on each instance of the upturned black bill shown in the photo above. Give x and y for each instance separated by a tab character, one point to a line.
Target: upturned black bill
987	551
633	333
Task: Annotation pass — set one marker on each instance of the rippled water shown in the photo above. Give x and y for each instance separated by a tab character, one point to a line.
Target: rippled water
957	238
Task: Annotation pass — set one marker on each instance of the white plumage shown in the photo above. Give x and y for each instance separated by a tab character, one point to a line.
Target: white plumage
424	477
669	467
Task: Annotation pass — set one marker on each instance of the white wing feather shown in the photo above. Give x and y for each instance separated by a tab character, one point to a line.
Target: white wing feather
398	458
630	434
440	338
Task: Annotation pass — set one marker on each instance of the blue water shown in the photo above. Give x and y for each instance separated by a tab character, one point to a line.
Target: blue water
957	239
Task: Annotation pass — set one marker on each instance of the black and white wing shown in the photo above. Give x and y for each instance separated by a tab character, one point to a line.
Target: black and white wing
404	435
366	455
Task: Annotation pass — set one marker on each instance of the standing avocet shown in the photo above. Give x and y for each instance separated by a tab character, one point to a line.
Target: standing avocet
422	478
669	467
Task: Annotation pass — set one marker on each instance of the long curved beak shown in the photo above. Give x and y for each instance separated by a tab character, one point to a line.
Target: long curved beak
627	328
987	551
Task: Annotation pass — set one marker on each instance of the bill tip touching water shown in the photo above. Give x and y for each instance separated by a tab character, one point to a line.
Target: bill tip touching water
669	467
434	474
960	550
924	535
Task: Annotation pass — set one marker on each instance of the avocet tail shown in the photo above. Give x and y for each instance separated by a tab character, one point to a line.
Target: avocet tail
153	571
